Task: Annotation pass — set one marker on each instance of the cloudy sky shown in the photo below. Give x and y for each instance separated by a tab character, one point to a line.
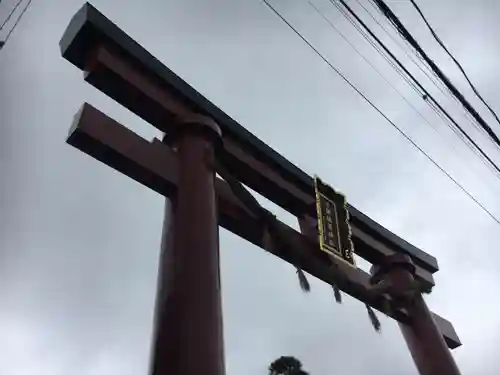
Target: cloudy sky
79	242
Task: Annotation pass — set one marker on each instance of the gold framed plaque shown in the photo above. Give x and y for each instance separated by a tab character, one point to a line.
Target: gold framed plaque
334	230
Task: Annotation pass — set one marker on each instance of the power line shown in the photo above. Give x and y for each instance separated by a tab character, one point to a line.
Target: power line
16	23
327	20
10	14
419	66
469	146
426	95
440	115
419	89
467	115
428	98
345	79
380	51
436	37
423	67
406	34
470	119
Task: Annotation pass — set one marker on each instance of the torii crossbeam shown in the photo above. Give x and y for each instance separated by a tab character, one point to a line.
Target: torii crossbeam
199	136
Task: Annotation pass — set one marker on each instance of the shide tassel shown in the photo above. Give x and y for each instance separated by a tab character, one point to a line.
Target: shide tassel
373	318
336	289
304	284
337	294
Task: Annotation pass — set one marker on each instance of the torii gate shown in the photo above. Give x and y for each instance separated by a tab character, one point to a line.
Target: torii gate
201	140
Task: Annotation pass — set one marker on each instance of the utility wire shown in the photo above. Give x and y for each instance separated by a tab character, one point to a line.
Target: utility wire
467	115
431	75
345	79
436	37
436	80
429	99
426	95
379	50
423	68
420	90
17	22
10	14
440	115
330	23
470	119
406	34
494	187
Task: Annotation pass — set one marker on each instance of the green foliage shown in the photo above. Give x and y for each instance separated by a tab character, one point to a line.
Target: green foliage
287	365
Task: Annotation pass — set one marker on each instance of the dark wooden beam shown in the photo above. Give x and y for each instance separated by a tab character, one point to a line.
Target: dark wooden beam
154	165
133	77
124	83
127	84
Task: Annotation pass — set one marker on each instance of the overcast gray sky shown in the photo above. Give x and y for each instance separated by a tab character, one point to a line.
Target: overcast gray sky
79	241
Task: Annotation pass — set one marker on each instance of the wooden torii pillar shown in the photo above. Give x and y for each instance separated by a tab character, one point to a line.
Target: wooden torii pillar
198	136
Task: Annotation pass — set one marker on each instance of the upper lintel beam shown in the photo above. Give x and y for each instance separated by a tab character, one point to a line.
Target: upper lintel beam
89	29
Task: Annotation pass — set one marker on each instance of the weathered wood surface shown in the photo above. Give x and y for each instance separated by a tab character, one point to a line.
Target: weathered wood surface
124	70
154	165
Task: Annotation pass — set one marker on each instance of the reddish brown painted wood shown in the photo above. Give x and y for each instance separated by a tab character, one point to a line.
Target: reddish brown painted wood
155	165
422	335
188	330
155	104
363	243
89	29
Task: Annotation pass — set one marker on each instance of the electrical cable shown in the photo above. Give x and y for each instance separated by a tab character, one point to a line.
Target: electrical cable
429	99
10	14
379	50
428	72
436	80
441	116
433	104
346	80
427	95
470	119
439	85
494	187
17	22
440	42
406	35
447	93
382	53
327	20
